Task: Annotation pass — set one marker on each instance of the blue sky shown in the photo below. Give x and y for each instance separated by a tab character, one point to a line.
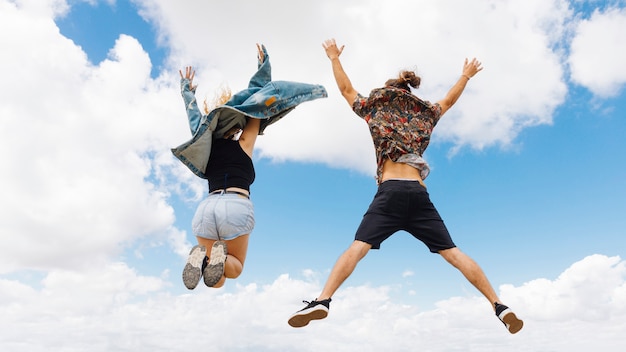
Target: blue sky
528	173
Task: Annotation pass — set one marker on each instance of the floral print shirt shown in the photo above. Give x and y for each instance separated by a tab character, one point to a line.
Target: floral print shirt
400	124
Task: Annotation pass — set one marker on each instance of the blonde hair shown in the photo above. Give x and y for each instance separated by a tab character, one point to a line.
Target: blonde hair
220	97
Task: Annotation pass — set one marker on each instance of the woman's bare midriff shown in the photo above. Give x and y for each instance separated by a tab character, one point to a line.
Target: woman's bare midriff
237	189
393	170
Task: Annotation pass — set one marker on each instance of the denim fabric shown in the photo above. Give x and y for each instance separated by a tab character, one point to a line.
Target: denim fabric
263	99
223	217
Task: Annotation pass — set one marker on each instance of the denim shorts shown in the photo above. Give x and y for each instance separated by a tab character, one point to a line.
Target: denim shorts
403	205
223	217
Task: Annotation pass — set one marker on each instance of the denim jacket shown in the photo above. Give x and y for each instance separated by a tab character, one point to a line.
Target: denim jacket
263	99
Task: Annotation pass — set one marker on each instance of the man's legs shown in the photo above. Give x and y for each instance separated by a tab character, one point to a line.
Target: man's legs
318	308
472	272
477	277
344	267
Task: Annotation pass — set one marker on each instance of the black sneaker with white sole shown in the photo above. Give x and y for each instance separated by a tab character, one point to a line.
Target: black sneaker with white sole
508	318
194	267
313	311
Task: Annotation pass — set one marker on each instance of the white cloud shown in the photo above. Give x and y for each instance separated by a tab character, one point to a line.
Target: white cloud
598	52
520	87
90	174
113	308
46	8
86	173
80	178
596	283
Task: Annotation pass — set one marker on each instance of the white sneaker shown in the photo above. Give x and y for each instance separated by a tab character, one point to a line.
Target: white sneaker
215	268
195	264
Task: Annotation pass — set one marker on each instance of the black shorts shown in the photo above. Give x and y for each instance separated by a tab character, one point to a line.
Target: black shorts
403	205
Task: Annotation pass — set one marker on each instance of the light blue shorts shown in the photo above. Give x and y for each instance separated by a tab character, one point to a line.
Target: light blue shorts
223	217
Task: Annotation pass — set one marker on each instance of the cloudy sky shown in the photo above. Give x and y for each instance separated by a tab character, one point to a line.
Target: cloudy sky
528	172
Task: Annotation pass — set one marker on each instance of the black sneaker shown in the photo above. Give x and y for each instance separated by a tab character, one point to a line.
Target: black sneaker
194	267
313	311
508	318
215	268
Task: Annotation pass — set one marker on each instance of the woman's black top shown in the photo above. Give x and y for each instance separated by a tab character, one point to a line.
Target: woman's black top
229	166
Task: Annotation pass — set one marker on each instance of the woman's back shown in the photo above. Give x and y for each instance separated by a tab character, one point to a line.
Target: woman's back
229	166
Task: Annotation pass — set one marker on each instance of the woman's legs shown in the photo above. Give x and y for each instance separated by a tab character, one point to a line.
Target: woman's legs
237	251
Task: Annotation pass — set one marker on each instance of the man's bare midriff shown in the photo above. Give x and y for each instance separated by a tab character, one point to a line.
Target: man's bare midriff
393	170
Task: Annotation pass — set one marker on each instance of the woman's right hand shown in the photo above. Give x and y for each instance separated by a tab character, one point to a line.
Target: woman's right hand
190	73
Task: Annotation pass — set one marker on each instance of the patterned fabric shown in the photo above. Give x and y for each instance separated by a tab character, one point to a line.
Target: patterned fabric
400	124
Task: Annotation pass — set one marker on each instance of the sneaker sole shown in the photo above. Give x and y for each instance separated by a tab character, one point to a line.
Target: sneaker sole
303	318
215	268
513	324
193	269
